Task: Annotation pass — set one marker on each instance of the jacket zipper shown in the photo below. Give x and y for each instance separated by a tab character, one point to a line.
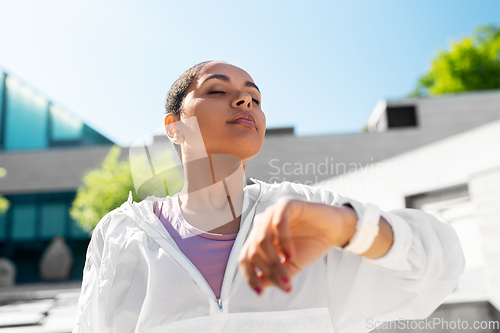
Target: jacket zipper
228	279
194	271
225	281
219	303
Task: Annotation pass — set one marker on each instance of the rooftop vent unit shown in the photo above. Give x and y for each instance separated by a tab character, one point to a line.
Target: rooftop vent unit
386	117
280	131
401	116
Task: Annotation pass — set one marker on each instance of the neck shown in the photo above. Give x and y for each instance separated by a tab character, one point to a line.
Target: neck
212	196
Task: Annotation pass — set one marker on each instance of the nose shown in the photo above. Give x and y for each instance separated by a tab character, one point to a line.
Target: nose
244	100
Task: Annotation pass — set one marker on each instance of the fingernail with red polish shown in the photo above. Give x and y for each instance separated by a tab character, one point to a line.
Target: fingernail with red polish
284	279
257	290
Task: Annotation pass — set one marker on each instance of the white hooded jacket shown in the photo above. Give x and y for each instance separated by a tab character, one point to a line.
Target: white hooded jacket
137	280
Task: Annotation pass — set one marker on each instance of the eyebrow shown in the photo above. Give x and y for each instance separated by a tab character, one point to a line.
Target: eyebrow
225	78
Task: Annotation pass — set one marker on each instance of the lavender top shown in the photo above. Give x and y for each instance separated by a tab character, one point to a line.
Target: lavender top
208	252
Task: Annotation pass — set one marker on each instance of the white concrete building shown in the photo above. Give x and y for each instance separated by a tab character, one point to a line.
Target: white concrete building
458	177
395	127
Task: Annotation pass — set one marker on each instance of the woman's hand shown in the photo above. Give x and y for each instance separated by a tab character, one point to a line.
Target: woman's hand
289	236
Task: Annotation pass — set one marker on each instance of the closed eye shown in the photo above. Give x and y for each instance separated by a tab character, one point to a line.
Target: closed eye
257	102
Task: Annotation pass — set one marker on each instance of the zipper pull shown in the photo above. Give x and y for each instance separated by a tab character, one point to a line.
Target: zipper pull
219	303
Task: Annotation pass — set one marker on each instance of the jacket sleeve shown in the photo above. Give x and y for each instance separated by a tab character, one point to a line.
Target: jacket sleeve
88	315
421	268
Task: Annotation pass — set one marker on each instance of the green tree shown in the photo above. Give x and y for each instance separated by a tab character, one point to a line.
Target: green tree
4	205
473	63
107	187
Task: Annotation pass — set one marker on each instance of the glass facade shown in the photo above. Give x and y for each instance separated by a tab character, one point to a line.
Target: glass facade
64	126
28	121
29	226
2	93
23	217
26	117
3	227
52	219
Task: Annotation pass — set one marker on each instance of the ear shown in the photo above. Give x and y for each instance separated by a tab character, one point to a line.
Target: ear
173	131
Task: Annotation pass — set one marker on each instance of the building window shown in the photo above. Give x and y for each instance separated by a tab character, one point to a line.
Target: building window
29	226
23	221
401	116
456	207
439	200
3	227
53	219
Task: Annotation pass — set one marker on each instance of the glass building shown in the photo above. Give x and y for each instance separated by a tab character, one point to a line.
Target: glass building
44	152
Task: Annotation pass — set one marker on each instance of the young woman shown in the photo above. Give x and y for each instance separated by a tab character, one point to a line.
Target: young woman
223	257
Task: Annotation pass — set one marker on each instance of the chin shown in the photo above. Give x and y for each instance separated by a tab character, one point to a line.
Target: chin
248	155
243	155
245	147
250	150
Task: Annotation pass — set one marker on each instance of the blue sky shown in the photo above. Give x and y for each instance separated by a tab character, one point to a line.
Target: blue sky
321	65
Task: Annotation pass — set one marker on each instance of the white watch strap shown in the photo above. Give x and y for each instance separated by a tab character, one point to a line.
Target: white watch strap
366	231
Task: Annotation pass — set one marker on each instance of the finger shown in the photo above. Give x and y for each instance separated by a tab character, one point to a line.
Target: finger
264	240
257	259
254	279
268	273
272	266
250	274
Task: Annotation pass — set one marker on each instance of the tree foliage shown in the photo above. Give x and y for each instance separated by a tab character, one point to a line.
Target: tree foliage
4	205
107	187
473	63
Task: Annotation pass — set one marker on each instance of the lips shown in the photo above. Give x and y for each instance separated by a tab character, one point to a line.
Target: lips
244	118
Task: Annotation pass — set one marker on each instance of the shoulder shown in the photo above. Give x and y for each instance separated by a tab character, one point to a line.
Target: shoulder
113	220
122	218
306	192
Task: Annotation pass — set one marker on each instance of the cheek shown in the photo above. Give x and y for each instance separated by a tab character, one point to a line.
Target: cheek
212	126
261	120
207	115
192	107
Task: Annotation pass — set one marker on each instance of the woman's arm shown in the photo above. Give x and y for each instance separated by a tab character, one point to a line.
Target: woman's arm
382	242
292	234
409	282
414	263
301	232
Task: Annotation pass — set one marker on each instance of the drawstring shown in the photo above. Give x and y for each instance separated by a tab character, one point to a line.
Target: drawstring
161	208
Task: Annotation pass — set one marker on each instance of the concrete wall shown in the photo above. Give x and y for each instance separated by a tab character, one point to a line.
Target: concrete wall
50	170
469	158
445	163
485	193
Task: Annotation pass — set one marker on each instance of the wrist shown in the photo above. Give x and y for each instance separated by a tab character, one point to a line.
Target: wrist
367	229
347	227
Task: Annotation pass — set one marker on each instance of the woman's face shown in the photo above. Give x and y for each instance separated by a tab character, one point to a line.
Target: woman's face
226	103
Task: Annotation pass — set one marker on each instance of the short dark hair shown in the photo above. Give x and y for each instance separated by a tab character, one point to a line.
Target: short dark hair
177	93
